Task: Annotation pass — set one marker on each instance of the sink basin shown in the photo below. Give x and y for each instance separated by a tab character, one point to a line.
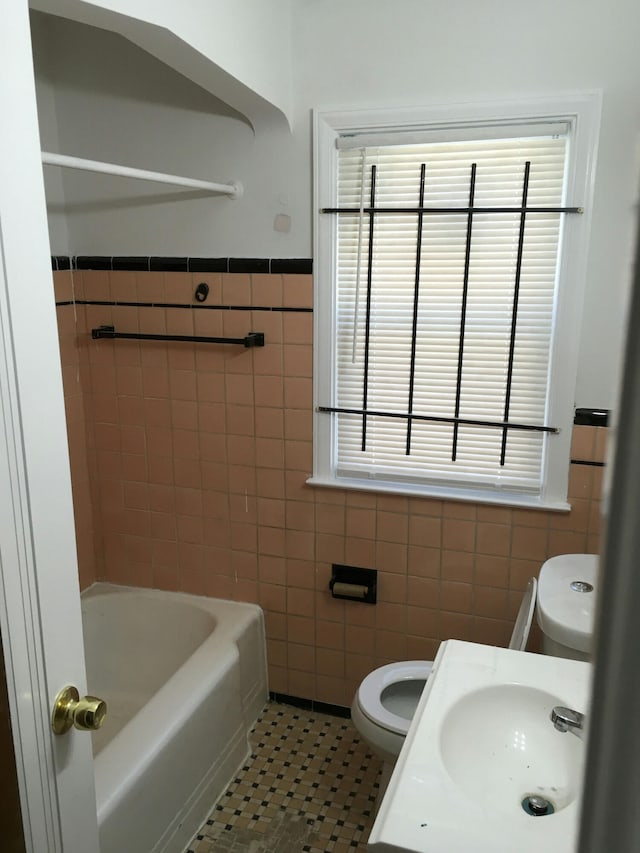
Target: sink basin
480	746
498	745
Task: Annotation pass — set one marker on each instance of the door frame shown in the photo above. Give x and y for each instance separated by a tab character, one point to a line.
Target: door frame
40	616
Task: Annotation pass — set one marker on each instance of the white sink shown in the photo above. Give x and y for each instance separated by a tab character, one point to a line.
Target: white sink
480	744
499	746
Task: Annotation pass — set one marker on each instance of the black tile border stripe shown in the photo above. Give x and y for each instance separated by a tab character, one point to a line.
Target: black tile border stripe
140	264
95	262
157	263
168	264
291	266
310	705
208	264
285	309
591	417
249	265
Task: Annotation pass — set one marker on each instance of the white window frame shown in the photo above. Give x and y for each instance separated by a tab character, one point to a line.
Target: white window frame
582	112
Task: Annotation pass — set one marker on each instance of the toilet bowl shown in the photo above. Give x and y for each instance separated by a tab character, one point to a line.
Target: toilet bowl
385	703
567	587
387	698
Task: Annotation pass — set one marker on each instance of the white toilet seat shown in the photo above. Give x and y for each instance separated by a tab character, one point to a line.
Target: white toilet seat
372	687
520	635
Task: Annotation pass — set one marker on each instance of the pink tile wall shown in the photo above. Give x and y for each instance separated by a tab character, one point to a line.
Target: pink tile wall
198	456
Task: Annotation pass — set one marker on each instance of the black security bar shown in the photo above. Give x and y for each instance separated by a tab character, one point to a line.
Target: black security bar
436	210
416	299
463	310
436	419
253	339
420	210
367	334
514	310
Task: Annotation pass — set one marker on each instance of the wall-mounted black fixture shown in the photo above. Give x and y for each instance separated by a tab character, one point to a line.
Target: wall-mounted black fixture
353	583
253	339
202	291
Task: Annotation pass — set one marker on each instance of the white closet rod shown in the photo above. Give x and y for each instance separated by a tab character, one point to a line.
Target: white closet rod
234	190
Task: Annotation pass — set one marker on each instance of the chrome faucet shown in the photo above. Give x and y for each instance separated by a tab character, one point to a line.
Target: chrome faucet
568	720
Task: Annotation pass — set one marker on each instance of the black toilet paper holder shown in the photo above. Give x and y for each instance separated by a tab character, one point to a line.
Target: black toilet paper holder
353	583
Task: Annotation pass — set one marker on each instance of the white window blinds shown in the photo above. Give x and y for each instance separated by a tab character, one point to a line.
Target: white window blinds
425	309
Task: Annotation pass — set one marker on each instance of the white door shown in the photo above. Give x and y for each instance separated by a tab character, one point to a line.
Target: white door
39	597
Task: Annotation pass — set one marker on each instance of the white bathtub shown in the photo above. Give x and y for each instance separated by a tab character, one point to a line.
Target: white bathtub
184	679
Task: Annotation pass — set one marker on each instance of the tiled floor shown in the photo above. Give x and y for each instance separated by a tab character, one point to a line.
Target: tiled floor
309	785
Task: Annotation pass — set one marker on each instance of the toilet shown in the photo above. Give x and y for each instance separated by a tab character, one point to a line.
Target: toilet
567	587
387	698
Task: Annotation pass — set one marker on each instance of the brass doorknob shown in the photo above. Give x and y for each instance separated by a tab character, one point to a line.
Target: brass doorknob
86	713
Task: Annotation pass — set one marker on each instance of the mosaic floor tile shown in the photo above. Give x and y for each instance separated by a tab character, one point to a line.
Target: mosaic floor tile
309	786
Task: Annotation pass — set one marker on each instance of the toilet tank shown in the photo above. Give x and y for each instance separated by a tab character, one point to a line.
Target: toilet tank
567	588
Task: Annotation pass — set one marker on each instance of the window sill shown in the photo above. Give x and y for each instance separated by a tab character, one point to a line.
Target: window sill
478	496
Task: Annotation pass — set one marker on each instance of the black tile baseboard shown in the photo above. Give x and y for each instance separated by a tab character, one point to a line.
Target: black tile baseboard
310	704
156	263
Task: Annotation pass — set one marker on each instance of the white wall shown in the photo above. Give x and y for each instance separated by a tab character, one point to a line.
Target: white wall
115	102
361	53
49	139
238	49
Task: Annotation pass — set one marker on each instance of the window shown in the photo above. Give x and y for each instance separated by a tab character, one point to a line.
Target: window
449	265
